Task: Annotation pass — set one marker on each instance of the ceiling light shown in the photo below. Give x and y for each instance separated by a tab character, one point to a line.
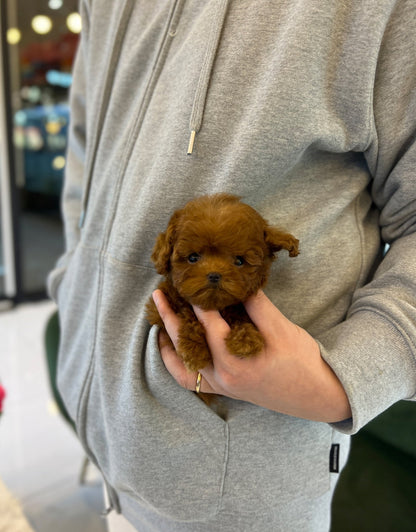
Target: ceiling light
55	4
13	35
41	24
73	21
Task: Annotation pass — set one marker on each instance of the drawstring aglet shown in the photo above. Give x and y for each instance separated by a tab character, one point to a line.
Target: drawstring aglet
191	142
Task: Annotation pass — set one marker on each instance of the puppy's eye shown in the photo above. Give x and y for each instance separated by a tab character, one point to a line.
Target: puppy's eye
194	257
239	261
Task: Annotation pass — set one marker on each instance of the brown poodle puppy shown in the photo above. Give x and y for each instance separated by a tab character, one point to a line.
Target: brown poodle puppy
215	253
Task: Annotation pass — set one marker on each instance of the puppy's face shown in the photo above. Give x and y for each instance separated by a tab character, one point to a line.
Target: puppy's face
217	251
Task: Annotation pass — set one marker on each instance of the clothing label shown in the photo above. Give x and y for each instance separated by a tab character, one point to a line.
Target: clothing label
334	458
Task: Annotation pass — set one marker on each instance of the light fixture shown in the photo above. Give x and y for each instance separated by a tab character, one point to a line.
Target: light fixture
55	4
73	21
58	162
13	35
41	24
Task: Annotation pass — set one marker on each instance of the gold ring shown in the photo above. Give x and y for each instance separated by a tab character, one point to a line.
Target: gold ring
198	383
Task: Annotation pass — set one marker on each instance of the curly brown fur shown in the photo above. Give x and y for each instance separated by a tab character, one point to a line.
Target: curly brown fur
214	254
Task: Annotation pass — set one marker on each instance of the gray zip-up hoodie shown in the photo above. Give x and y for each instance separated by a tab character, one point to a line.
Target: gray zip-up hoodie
307	110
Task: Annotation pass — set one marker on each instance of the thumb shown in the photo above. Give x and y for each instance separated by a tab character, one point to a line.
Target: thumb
216	328
264	314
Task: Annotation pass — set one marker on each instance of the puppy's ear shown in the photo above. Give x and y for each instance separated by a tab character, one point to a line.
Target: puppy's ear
163	248
277	240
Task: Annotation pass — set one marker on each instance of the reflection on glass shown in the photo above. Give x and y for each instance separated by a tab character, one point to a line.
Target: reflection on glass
42	41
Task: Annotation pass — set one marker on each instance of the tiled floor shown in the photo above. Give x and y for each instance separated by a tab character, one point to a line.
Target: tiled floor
40	458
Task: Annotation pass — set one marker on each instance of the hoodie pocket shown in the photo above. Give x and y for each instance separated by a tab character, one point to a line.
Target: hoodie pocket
153	440
181	449
274	459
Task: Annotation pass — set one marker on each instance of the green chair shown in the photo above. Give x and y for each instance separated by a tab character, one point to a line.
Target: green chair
52	347
377	489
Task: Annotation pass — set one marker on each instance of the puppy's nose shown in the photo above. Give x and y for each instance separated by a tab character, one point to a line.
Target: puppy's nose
214	277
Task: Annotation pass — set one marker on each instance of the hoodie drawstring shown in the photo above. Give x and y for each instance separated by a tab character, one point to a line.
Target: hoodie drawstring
198	107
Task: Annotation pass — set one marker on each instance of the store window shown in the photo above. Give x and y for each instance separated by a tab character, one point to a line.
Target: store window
41	38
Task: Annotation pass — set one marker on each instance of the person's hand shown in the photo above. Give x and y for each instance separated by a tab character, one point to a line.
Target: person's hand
288	375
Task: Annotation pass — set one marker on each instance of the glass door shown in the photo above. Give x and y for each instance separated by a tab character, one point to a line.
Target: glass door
41	38
9	263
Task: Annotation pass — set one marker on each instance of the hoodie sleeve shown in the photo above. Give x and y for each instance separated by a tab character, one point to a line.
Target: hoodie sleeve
373	351
75	158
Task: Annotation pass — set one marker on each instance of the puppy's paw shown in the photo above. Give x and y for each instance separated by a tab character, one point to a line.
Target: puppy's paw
244	340
192	346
